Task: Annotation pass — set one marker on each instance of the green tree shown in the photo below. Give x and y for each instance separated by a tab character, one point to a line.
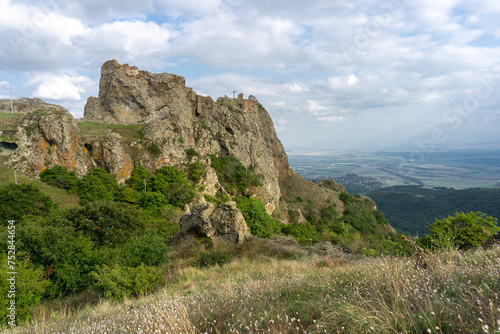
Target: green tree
59	176
138	177
106	223
150	249
172	183
97	185
30	287
66	256
17	200
463	231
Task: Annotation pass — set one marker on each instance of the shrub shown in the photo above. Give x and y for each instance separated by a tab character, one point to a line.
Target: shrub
118	282
346	198
153	148
212	258
233	176
172	183
30	288
106	223
464	230
67	258
196	171
97	185
138	177
150	249
153	201
17	200
258	220
59	176
304	233
191	152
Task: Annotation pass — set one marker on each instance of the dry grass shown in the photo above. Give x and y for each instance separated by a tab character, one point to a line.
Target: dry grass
458	293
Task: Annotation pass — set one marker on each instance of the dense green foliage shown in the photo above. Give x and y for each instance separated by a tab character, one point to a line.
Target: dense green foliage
149	249
410	209
105	223
30	287
172	183
233	176
59	176
97	185
463	231
139	178
118	282
17	200
258	220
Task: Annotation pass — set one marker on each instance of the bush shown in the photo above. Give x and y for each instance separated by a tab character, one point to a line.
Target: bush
232	175
212	258
464	231
30	288
66	257
96	186
196	171
258	220
304	233
137	178
153	201
153	148
59	176
150	249
172	183
118	282
106	223
17	200
191	152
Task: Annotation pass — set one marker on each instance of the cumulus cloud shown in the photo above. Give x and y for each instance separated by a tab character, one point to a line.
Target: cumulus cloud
365	66
60	87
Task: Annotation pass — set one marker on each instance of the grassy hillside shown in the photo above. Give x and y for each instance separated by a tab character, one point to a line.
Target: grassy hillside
58	195
261	294
410	209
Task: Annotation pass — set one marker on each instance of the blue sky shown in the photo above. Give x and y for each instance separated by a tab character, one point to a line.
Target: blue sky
340	75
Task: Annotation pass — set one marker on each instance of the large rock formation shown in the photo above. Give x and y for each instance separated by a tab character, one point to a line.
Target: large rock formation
177	119
152	120
221	224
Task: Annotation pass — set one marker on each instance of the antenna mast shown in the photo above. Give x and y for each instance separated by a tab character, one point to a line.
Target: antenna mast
11	105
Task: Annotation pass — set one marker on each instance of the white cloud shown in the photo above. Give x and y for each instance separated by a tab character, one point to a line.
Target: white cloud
398	64
60	87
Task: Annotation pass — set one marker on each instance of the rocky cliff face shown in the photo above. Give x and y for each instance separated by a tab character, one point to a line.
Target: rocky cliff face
137	110
177	118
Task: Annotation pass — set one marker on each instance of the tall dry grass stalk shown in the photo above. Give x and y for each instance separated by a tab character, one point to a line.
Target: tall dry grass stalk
457	293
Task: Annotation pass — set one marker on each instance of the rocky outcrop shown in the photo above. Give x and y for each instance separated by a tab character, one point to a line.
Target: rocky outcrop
332	185
28	105
177	118
221	224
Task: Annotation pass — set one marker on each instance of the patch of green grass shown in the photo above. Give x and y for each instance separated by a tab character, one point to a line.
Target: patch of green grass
130	131
58	195
8	122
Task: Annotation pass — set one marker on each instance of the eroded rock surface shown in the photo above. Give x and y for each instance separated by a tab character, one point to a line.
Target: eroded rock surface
223	223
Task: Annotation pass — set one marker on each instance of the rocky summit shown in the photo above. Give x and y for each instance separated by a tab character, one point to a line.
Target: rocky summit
154	120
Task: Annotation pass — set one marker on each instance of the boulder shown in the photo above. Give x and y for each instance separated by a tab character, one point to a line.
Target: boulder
492	241
221	224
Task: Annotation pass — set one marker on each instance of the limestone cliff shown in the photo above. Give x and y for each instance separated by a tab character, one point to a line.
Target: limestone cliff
177	118
137	111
